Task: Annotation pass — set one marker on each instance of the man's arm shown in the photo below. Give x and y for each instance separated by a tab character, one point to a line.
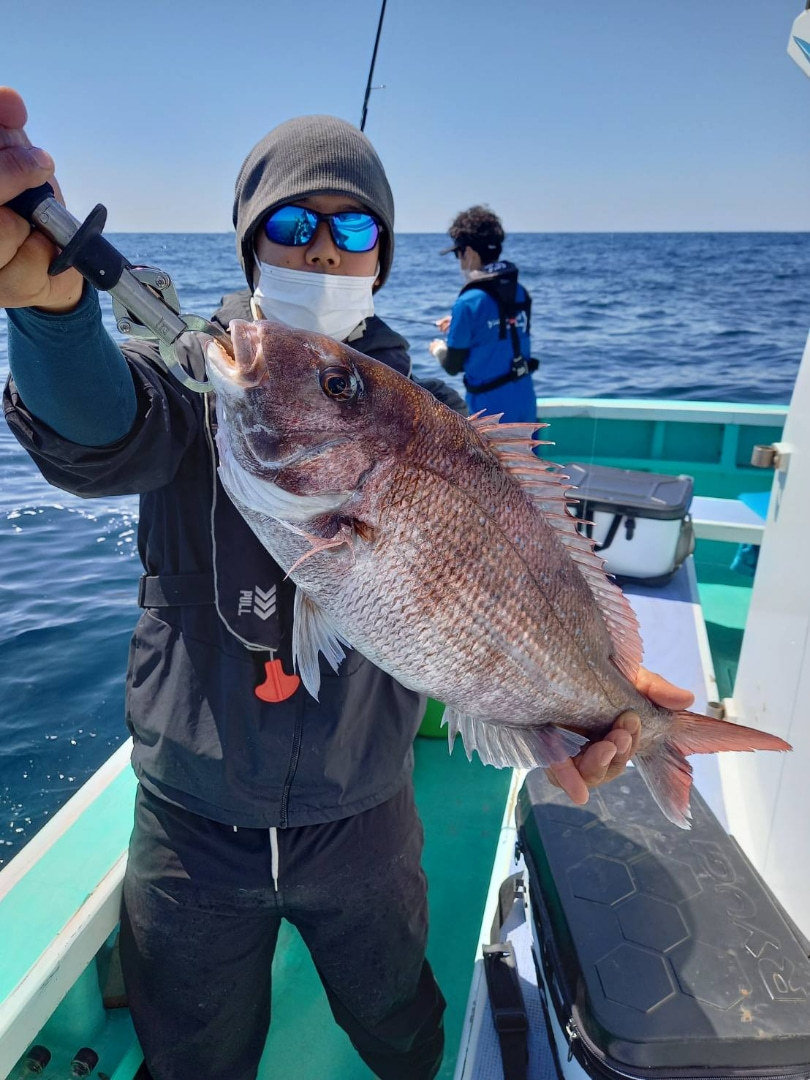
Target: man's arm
71	374
452	360
452	354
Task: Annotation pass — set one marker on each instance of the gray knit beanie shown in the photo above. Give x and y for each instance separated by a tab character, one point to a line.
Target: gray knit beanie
310	155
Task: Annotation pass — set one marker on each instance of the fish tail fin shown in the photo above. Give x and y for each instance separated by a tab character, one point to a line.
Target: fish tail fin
694	733
668	774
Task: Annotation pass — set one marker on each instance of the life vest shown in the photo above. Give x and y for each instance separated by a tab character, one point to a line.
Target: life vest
500	280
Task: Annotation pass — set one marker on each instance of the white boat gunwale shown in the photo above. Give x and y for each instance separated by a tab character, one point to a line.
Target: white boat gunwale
39	978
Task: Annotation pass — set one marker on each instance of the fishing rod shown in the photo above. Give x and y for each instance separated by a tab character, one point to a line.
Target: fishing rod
371	69
423	322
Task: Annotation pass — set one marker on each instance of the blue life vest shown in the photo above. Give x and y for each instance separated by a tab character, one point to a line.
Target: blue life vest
500	281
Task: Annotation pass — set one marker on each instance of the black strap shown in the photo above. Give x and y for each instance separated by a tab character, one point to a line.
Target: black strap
508	1009
508	310
511	892
502	287
519	368
584	511
175	590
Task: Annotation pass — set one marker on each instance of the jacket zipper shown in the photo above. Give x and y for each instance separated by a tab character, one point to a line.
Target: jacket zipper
294	753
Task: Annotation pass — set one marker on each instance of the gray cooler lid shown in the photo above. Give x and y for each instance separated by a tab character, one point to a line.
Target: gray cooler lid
630	491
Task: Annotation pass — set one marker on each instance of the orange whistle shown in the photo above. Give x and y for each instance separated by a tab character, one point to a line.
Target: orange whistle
277	685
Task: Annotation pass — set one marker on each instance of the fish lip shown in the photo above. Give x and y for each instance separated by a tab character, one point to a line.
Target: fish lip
241	369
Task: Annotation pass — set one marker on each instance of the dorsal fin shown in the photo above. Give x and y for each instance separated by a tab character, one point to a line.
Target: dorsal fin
546	487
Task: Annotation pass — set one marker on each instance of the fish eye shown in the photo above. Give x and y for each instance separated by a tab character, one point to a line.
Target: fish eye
339	383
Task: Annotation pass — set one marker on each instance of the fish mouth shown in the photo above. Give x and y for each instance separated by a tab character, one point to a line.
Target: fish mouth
237	361
221	365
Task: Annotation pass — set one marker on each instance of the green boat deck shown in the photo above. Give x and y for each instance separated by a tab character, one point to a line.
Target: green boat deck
461	804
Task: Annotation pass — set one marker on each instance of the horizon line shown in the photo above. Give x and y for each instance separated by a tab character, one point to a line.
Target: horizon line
512	232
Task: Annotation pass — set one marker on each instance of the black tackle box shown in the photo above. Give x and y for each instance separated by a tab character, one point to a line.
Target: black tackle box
639	520
662	951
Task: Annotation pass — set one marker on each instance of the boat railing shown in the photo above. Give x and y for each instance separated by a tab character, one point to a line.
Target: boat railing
711	441
64	887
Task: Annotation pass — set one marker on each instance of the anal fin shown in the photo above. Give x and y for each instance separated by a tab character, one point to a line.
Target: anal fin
513	746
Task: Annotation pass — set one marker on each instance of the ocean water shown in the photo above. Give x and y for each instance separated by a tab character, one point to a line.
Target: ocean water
704	316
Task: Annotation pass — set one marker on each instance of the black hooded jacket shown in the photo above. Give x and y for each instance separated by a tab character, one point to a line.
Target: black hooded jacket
202	737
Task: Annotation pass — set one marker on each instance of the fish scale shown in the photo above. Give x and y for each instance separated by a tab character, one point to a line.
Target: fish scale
489	585
442	549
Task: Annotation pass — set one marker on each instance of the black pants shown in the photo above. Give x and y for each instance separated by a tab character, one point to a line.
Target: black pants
199	924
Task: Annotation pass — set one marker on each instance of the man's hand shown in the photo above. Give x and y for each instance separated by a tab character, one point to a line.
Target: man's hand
25	253
602	761
437	348
443	323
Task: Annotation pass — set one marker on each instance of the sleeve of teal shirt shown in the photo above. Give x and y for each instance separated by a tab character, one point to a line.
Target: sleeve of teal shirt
71	374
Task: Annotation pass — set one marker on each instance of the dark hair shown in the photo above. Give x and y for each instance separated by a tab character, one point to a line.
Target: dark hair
480	229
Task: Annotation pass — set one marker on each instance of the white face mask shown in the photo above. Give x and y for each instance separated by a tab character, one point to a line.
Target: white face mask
332	304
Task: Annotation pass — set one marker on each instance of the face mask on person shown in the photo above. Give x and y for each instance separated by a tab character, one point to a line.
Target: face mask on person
331	304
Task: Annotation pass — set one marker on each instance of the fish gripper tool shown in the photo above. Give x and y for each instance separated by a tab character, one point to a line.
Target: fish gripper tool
145	302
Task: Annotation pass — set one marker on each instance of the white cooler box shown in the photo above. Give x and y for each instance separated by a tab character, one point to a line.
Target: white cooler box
639	520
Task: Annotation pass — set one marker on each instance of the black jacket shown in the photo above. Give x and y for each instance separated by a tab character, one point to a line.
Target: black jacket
202	738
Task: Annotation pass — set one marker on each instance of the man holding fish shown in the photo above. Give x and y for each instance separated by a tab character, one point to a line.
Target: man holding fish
256	802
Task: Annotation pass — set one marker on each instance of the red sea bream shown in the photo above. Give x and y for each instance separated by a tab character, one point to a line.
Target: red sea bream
443	549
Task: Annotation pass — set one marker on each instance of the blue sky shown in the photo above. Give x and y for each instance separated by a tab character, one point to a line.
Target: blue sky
563	115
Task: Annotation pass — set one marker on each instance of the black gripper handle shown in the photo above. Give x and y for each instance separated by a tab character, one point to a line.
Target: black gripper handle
26	202
94	257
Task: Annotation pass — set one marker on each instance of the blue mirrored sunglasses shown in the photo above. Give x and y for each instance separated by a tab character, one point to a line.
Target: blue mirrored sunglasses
294	226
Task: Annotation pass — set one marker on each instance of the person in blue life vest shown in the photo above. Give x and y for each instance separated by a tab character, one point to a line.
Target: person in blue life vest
488	331
255	802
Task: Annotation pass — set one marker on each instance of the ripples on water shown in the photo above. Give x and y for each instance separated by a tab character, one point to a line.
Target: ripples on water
699	316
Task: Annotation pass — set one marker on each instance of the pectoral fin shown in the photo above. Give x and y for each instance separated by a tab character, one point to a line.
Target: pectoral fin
314	633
